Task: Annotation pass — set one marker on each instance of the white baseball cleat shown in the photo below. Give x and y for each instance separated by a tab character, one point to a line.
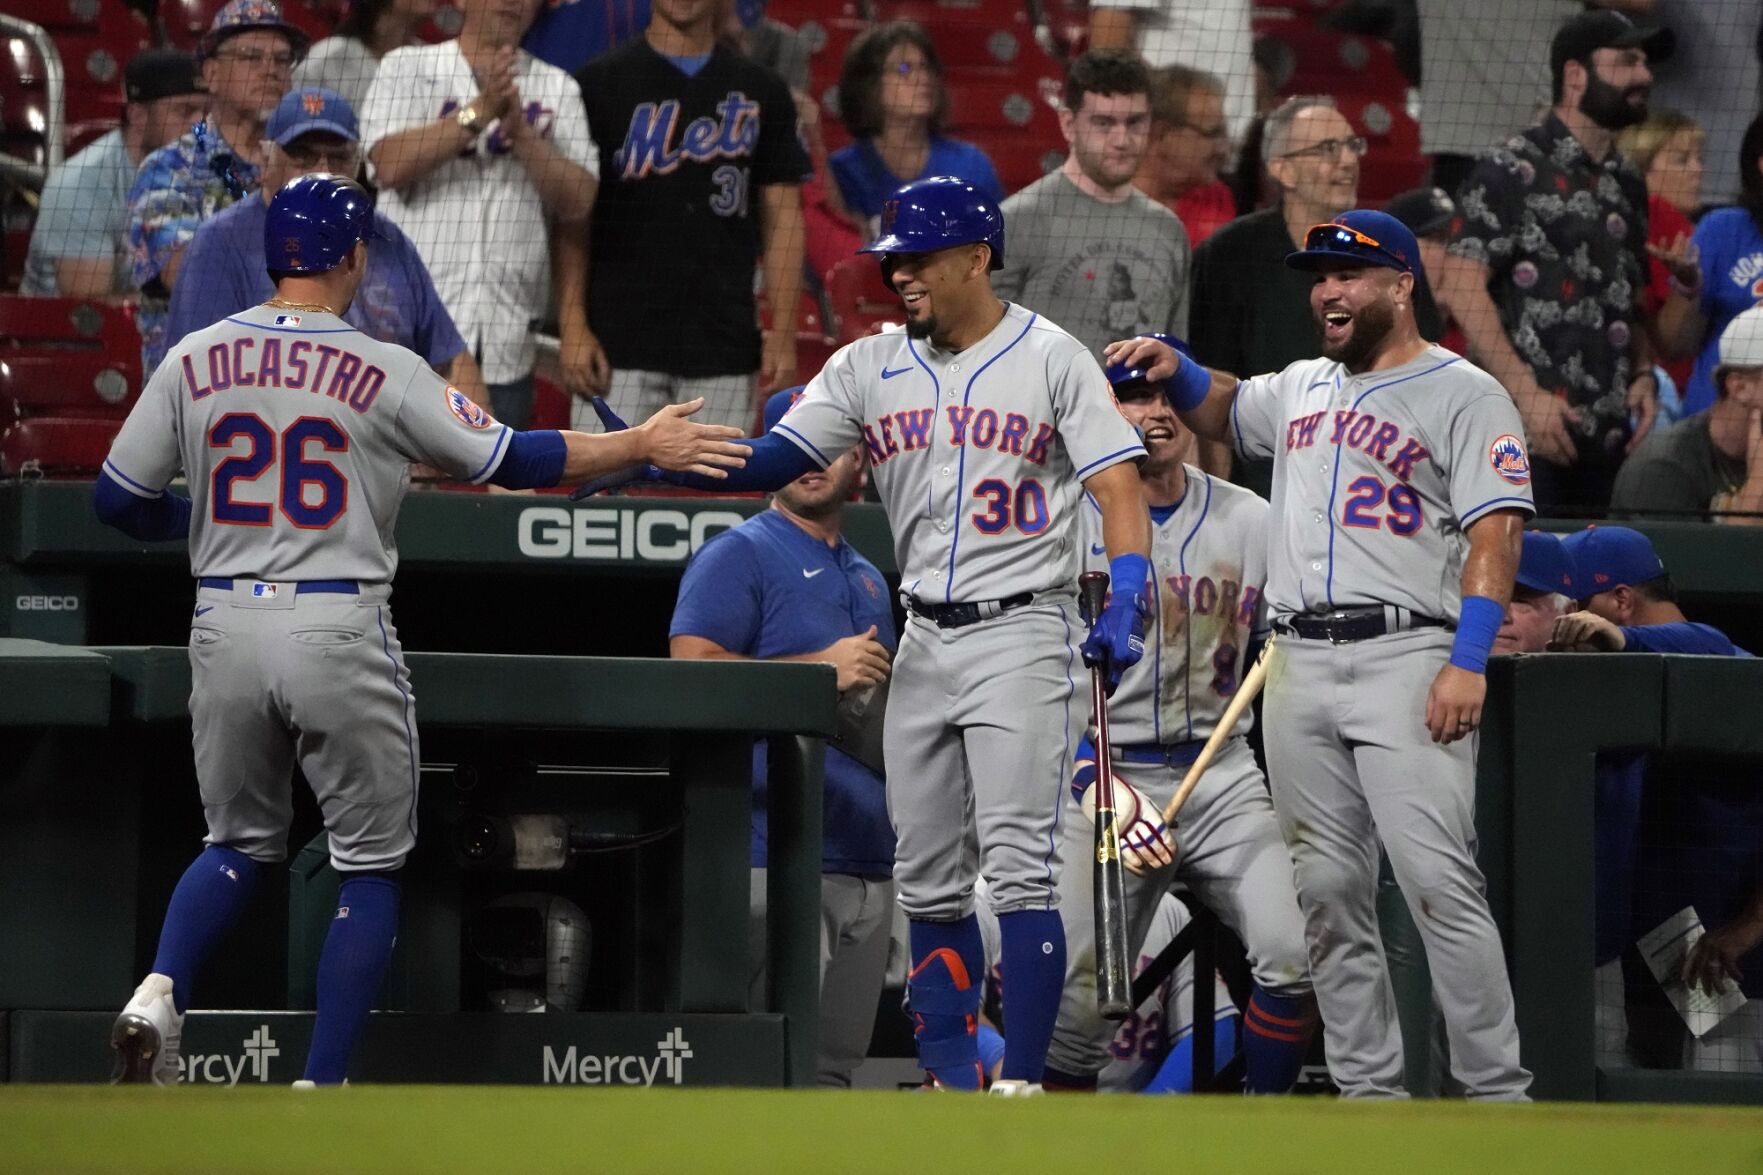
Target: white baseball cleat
147	1036
1013	1088
305	1084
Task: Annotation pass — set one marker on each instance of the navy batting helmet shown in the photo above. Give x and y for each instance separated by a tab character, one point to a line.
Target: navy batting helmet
1124	378
313	223
938	212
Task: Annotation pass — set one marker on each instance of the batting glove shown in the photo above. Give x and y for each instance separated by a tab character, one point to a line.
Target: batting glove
1117	640
609	420
1146	844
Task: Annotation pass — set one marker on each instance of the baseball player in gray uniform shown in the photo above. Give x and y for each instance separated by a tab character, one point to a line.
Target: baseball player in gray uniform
1400	489
985	424
1208	573
295	432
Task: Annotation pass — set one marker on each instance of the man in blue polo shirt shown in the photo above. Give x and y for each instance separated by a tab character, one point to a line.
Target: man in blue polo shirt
314	130
786	586
1671	831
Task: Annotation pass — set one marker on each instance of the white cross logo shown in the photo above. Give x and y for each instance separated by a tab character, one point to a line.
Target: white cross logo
260	1047
674	1050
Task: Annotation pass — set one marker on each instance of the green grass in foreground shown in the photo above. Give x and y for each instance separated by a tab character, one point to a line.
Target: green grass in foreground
73	1130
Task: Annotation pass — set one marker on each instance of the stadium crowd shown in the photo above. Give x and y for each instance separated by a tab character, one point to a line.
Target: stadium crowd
527	185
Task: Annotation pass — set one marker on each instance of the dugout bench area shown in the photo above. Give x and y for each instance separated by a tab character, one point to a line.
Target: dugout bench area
534	629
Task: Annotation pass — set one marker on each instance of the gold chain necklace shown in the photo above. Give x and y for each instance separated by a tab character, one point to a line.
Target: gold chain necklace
313	307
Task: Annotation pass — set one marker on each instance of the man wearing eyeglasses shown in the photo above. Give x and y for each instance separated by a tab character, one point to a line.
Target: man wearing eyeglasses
1400	492
248	57
1190	144
1250	312
314	130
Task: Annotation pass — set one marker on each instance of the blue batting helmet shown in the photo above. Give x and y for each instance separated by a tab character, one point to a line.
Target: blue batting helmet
1123	377
313	223
938	212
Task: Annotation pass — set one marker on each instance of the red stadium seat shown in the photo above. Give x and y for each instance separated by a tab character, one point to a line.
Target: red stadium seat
1334	63
796	13
1023	109
551	404
862	303
983	37
67	357
1393	162
49	445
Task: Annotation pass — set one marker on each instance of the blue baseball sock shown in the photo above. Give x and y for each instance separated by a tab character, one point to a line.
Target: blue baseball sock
357	952
948	973
1276	1039
1033	949
210	896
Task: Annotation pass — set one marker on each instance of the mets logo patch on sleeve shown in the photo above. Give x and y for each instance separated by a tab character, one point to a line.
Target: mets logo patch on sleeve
1509	459
469	414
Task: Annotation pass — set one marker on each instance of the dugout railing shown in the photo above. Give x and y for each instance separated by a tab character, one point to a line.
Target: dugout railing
96	803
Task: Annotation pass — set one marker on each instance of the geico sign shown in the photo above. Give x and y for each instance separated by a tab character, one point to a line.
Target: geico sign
655	534
47	603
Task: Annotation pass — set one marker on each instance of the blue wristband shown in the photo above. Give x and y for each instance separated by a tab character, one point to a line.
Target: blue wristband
1477	626
1132	570
1189	386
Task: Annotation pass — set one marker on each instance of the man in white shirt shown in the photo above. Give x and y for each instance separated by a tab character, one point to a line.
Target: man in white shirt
1209	35
482	156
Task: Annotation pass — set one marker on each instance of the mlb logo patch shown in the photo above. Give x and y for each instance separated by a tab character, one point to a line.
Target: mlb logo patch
265	591
1509	459
287	320
467	413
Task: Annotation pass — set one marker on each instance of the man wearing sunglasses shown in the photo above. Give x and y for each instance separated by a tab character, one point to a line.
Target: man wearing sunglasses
1400	490
247	58
314	130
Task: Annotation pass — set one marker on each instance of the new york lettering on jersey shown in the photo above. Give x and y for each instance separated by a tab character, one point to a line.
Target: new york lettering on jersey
981	475
1208	571
1388	470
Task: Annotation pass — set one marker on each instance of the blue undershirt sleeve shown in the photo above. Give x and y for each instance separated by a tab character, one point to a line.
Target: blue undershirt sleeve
533	460
151	520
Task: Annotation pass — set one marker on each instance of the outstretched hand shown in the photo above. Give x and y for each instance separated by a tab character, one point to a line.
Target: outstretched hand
677	444
1158	359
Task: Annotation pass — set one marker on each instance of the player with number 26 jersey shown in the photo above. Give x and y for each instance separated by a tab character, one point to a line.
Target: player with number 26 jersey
282	423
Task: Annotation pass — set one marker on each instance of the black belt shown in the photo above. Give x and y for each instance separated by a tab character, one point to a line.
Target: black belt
1168	754
1345	625
961	615
341	587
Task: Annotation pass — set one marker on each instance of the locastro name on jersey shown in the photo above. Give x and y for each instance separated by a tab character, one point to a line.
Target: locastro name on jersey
243	363
908	432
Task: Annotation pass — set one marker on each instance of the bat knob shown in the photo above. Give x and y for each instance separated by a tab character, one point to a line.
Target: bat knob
1092	594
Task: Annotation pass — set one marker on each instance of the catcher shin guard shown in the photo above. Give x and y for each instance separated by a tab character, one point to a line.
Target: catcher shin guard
944	994
1276	1039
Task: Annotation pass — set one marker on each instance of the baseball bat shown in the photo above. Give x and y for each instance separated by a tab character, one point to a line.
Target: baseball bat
1245	695
1113	965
